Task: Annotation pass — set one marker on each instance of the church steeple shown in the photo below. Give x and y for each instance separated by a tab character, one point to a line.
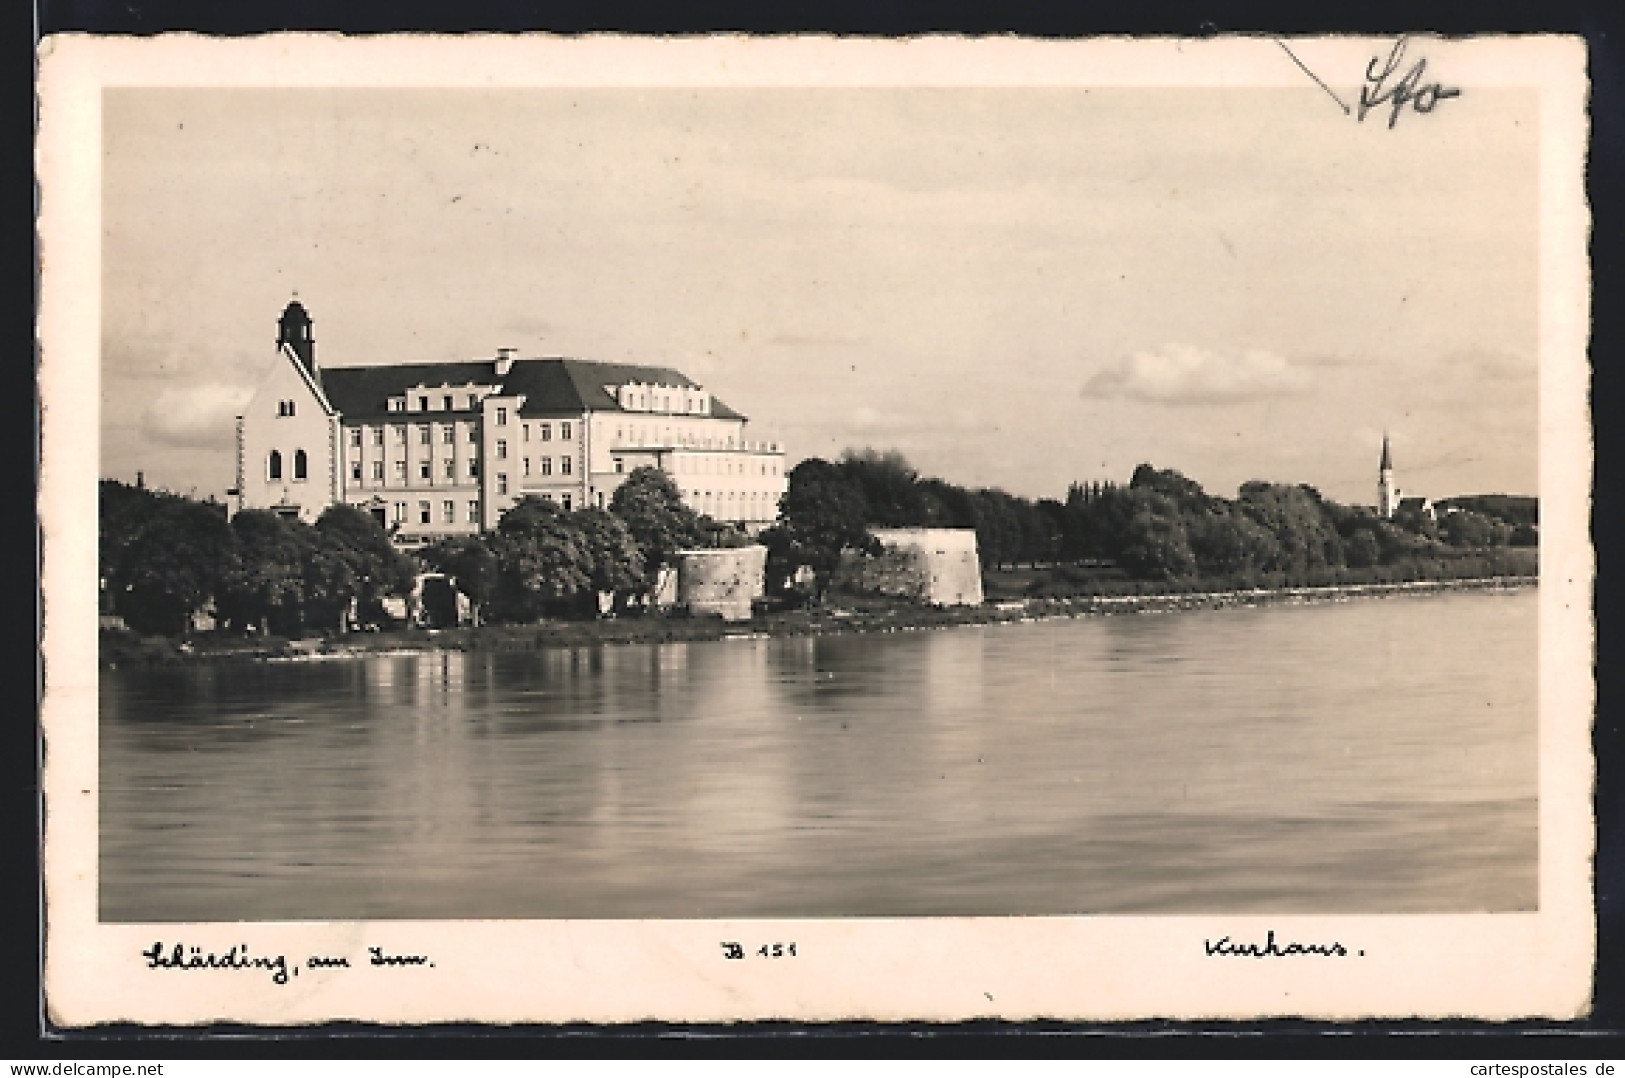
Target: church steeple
294	330
1387	492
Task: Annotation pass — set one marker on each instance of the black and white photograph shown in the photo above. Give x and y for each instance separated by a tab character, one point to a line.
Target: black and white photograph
1126	491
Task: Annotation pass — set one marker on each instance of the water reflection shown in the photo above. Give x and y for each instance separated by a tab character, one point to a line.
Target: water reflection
1367	757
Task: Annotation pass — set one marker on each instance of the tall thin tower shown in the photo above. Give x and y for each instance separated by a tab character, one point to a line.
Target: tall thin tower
1387	492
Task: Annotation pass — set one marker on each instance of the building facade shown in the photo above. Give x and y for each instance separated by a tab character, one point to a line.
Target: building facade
440	449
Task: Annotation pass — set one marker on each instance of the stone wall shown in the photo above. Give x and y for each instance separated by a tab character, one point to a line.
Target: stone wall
721	581
934	565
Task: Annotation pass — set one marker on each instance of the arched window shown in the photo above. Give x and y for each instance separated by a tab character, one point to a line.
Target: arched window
274	466
301	464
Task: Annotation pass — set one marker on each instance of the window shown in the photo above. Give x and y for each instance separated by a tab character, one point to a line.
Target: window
600	499
423	469
423	406
273	465
397	405
502	482
423	434
423	512
284	407
400	434
355	471
378	436
471	400
355	437
526	468
564	432
473	512
378	470
473	434
524	435
448	510
564	465
400	513
449	435
547	465
446	402
473	469
502	449
564	502
546	431
301	464
502	417
400	470
451	468
620	465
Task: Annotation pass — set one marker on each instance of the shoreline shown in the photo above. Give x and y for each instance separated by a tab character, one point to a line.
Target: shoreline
863	614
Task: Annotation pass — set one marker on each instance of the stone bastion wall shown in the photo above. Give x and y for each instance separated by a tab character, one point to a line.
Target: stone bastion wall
721	581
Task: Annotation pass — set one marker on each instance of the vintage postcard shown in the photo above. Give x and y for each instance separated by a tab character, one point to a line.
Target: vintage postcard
609	529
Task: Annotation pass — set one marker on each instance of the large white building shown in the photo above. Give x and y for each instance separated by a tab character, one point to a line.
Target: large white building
439	449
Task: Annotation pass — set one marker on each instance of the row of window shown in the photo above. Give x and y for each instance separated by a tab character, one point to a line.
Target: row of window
448	432
448	512
448	468
284	408
301	465
447	402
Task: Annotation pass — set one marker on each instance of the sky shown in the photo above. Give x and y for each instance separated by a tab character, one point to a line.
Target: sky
1018	288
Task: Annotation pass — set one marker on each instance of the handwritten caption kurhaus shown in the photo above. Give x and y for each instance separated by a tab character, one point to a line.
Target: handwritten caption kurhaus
239	957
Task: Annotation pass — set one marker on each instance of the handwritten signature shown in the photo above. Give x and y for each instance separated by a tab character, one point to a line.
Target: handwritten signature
1408	90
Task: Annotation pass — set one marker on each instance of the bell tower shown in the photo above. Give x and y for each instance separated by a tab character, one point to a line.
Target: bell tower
294	330
1387	492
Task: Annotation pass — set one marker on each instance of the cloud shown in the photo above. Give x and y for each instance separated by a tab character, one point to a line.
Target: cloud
1188	374
201	416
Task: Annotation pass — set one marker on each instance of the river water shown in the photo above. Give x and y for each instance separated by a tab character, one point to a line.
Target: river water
1375	756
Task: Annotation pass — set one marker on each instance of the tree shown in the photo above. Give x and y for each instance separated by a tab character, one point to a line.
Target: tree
542	558
371	560
652	508
615	565
266	588
468	560
173	566
822	514
1465	528
1155	545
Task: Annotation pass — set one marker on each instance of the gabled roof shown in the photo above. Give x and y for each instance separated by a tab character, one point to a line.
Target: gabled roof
549	385
362	393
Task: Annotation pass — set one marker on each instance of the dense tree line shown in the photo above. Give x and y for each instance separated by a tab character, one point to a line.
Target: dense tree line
166	557
1162	526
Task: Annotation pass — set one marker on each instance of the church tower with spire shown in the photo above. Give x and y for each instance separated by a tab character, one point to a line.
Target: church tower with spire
294	330
1387	492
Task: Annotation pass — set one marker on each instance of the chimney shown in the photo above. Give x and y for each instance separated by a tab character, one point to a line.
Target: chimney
505	361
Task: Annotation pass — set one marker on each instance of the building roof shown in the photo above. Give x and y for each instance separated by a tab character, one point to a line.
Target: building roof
548	385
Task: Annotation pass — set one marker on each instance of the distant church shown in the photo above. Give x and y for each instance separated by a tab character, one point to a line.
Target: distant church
1390	499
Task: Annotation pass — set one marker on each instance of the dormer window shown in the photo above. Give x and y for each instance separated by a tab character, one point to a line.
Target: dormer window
397	405
423	404
447	402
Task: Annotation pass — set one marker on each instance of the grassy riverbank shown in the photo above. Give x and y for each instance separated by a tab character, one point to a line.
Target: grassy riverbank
843	614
